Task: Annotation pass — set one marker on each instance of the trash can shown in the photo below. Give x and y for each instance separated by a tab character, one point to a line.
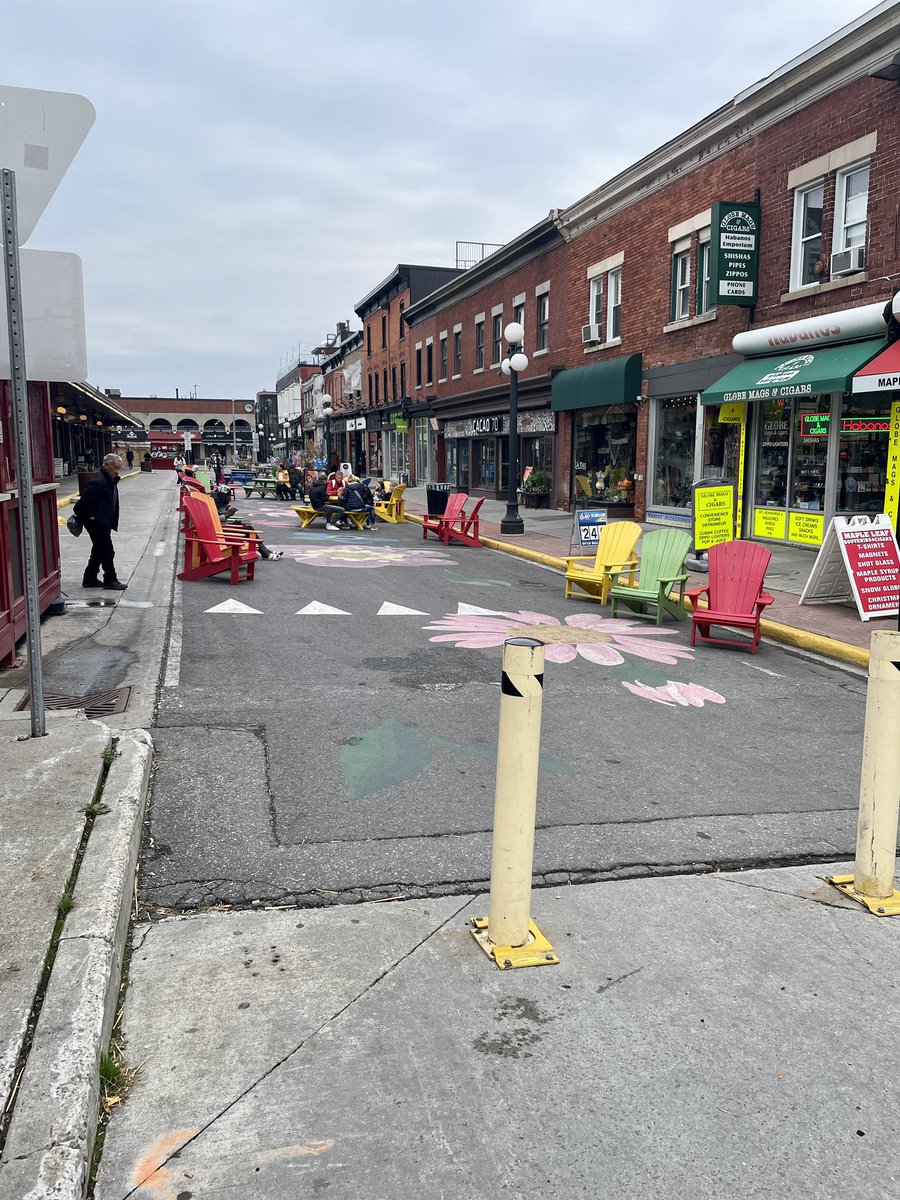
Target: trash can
436	498
84	478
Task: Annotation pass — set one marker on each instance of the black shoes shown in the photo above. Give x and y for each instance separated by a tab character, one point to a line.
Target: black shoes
114	585
91	583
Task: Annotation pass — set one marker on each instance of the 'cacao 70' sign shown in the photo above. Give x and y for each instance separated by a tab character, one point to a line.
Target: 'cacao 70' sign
734	253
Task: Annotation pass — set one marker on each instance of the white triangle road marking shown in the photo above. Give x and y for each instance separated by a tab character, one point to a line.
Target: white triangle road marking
233	606
474	610
397	610
315	608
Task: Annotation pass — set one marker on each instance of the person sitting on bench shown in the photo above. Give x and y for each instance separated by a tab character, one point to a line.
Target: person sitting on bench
318	498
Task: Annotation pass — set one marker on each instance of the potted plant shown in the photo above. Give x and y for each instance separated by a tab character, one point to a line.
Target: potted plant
536	490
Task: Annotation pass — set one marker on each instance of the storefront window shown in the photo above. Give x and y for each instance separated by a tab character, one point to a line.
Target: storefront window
375	453
774	447
811	422
605	440
721	445
423	431
676	424
398	448
862	454
485	463
537	452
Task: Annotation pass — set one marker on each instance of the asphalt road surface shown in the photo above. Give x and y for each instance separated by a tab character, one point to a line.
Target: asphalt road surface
338	742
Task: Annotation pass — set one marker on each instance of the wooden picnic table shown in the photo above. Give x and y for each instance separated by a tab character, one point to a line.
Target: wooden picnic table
263	485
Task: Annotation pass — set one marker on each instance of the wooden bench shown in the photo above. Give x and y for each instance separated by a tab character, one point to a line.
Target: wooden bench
308	514
464	528
261	487
735	596
455	505
392	510
210	550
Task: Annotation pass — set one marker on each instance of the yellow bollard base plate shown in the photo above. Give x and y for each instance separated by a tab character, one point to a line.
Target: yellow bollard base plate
537	951
881	906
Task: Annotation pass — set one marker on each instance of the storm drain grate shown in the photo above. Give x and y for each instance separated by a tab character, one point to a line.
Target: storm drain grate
97	704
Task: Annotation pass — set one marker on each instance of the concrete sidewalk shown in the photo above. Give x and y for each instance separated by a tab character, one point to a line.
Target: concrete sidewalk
704	1036
71	812
831	629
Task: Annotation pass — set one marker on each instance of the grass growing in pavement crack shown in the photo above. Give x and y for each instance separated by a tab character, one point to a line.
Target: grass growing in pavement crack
64	906
96	808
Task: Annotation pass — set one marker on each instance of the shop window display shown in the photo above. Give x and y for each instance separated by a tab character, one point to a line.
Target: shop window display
675	435
862	454
721	445
604	454
810	452
774	448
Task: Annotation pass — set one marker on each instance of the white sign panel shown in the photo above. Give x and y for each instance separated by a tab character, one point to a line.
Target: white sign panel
858	560
40	134
53	307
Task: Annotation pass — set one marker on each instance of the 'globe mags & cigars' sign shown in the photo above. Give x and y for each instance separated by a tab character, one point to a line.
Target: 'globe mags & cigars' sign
734	253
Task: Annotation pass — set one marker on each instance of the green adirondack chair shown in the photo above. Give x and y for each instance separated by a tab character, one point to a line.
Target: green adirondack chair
662	566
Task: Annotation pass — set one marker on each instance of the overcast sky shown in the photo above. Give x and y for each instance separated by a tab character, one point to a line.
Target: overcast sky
257	166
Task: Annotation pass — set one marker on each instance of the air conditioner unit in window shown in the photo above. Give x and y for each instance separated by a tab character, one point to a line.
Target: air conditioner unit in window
591	333
846	262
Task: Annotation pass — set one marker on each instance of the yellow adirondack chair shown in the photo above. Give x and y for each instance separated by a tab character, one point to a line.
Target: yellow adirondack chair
392	509
615	555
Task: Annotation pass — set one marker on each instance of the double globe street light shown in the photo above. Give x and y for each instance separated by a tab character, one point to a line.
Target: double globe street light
514	362
327	410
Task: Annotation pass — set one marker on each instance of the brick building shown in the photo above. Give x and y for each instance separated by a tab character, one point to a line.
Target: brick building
386	395
224	426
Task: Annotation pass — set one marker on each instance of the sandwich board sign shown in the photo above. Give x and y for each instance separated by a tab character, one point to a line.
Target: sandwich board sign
858	560
587	528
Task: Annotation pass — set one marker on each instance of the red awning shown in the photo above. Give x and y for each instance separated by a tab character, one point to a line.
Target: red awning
160	437
882	374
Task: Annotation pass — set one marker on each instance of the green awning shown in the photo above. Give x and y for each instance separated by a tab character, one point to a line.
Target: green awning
793	373
615	381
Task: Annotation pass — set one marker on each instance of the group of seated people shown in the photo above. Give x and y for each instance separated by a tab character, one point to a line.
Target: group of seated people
337	494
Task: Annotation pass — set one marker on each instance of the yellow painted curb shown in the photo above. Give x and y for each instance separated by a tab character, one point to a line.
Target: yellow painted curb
815	643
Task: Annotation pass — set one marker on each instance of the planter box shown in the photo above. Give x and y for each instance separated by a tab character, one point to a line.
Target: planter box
536	499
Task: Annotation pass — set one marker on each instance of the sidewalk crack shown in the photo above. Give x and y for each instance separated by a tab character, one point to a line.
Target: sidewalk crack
389	970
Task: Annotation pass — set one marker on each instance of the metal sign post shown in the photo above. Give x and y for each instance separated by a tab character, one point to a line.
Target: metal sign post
22	437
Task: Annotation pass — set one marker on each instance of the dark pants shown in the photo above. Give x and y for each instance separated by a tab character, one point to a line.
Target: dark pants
282	491
335	513
102	554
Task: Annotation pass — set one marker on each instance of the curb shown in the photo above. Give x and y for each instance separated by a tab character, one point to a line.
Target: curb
51	1137
801	639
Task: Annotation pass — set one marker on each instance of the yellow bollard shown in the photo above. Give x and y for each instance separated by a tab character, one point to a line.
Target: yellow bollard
872	883
508	935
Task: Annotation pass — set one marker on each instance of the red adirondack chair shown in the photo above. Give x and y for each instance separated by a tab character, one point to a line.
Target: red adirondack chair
209	550
734	593
455	504
462	528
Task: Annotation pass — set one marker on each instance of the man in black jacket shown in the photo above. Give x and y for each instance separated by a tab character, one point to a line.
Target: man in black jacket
98	511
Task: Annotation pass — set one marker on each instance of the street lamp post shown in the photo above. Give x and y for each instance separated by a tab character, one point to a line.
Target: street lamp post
327	409
514	362
233	436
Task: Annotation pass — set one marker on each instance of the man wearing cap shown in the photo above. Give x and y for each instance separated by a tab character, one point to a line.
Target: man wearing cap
98	511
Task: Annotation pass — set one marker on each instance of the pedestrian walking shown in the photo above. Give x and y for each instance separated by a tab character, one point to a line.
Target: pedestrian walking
129	457
89	458
98	511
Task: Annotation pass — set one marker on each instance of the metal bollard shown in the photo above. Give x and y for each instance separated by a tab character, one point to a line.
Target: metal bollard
508	935
872	883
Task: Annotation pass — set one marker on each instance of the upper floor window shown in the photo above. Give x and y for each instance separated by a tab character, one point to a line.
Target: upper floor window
519	313
376	388
681	285
384	378
384	331
497	339
851	208
443	369
479	346
370	391
614	305
369	339
402	333
403	377
418	366
393	383
705	299
457	352
542	316
807	242
429	362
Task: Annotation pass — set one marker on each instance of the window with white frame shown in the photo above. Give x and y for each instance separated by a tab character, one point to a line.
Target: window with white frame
614	305
851	204
705	300
443	370
807	241
542	339
479	345
457	352
519	313
497	338
681	285
596	314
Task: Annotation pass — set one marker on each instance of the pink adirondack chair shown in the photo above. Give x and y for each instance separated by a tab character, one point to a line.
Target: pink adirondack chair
735	595
462	528
455	504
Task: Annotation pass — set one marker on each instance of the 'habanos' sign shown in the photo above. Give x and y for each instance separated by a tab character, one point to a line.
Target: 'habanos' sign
734	253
